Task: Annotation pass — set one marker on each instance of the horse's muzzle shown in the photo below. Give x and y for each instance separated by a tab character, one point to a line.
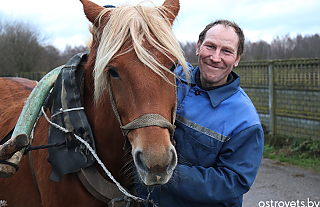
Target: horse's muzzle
155	174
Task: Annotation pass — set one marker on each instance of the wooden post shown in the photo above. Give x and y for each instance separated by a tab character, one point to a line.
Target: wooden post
272	99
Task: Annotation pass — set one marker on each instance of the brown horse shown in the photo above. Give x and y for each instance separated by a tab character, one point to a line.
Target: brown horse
136	47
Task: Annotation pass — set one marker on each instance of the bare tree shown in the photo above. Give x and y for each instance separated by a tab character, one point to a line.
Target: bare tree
53	57
20	48
283	48
189	49
70	51
23	49
256	51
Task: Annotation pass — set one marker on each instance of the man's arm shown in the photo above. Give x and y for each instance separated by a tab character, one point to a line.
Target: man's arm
233	174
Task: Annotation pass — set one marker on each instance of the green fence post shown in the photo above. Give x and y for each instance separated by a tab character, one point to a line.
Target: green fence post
272	98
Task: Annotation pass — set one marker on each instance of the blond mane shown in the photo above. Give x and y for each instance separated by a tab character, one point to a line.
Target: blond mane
136	23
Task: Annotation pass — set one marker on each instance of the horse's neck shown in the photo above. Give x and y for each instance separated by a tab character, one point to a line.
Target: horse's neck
108	137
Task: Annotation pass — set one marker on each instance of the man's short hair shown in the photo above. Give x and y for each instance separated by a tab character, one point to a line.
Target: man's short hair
226	23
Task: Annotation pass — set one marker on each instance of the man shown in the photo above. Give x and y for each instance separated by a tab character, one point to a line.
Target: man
219	135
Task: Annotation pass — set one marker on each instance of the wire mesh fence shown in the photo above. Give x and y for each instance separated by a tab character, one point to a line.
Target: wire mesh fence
286	94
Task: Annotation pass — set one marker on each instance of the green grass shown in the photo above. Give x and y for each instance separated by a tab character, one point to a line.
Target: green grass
302	152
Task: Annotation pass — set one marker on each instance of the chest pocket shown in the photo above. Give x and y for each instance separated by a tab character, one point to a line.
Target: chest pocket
196	145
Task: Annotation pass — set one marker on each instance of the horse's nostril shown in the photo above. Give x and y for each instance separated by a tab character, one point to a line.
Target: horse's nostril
139	161
173	161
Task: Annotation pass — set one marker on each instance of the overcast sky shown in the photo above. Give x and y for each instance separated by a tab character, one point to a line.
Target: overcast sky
63	21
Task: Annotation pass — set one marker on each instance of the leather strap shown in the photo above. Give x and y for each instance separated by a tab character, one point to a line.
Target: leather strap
148	120
99	187
33	173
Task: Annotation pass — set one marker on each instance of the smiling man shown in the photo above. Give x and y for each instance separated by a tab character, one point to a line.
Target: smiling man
217	50
219	138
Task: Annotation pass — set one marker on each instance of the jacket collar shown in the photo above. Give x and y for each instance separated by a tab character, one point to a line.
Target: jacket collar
218	95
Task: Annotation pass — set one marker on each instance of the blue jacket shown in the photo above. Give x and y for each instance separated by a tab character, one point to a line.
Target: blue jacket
219	144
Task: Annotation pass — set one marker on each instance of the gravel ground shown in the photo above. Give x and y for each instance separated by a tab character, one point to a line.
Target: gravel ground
283	185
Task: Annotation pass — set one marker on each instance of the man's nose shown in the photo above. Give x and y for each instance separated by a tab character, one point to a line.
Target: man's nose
215	56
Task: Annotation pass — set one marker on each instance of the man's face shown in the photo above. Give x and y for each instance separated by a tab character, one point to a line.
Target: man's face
217	55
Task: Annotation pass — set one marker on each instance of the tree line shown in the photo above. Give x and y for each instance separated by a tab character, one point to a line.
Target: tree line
280	48
23	49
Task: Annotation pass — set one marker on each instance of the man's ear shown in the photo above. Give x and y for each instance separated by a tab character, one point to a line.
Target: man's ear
198	48
236	63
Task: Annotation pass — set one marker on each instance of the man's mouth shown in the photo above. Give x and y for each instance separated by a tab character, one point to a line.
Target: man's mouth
214	66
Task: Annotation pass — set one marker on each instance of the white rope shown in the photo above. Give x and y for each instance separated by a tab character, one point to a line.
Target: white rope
67	110
123	190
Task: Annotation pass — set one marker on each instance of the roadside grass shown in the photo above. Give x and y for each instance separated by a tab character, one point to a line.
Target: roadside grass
302	152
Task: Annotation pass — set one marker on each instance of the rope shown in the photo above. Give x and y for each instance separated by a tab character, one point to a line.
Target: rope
124	198
129	201
123	190
29	148
67	110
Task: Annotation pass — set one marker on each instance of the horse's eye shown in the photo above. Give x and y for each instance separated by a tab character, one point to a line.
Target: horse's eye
113	71
173	67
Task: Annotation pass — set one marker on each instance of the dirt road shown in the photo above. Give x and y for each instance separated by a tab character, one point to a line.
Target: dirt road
283	185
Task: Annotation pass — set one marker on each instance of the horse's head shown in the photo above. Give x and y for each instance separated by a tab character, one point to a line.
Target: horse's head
135	52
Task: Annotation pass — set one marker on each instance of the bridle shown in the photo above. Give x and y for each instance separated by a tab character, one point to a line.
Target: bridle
144	120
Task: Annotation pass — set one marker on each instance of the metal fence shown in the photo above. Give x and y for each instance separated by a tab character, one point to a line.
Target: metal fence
286	94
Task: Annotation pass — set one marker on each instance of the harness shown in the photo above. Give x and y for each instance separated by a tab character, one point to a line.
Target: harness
69	116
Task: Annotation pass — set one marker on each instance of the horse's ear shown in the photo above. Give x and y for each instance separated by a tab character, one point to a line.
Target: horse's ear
91	10
173	7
